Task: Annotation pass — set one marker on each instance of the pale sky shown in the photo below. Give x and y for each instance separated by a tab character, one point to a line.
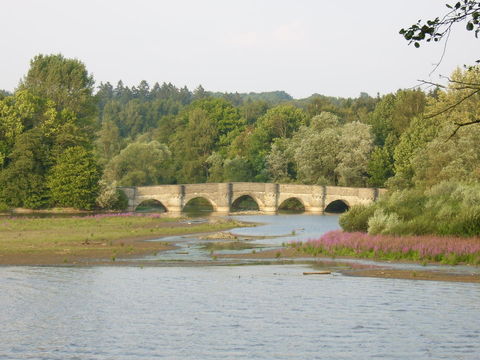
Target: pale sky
335	48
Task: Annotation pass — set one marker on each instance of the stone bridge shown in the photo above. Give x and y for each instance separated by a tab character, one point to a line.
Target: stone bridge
269	197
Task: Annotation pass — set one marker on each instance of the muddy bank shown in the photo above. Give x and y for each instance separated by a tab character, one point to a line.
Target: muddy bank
352	269
92	240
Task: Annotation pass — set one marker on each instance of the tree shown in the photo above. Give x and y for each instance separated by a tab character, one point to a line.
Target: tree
417	136
280	163
64	81
237	169
215	168
208	125
440	28
22	183
457	160
140	163
108	143
252	110
315	155
380	166
282	121
73	180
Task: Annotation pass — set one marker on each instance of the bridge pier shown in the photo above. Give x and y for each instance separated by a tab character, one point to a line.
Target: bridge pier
175	201
271	198
317	204
224	198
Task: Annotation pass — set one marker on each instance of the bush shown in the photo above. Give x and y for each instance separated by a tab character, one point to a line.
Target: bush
448	208
4	207
382	223
110	198
122	201
356	219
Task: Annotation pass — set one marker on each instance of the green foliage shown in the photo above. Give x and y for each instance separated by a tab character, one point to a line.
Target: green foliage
208	125
403	141
73	180
121	202
111	198
22	183
355	146
448	208
140	163
324	153
108	143
382	223
436	29
238	169
412	141
281	121
356	218
280	163
64	81
380	167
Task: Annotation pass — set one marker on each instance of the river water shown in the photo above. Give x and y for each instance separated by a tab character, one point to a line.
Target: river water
233	312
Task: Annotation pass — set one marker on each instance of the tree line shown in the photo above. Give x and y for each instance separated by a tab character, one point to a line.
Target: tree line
65	142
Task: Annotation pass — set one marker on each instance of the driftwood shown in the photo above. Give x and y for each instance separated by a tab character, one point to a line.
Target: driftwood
317	272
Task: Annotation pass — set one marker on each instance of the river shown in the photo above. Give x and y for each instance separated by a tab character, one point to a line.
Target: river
233	312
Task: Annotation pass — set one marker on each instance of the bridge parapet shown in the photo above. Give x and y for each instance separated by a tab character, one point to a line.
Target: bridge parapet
268	196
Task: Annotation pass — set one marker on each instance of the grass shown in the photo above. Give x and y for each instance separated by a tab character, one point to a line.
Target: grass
108	236
422	249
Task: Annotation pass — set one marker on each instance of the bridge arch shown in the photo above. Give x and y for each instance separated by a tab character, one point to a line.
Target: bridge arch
293	203
238	196
244	202
337	206
150	204
203	200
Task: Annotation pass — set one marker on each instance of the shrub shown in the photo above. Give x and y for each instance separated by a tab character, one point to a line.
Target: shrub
356	219
122	201
110	197
4	207
382	223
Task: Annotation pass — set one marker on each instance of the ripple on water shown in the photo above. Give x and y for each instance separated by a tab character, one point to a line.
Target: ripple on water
248	312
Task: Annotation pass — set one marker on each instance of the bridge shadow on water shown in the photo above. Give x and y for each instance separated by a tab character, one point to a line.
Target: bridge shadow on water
336	207
291	206
244	203
198	207
151	206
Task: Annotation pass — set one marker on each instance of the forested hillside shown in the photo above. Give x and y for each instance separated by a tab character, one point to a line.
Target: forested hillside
66	142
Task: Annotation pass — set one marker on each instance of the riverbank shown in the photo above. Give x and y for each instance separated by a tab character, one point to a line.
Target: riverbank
120	240
92	239
343	266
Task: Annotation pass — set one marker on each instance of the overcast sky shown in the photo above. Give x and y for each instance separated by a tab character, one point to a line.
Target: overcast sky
336	48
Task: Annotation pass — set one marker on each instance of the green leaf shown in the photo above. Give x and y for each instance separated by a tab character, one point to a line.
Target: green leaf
469	26
416	44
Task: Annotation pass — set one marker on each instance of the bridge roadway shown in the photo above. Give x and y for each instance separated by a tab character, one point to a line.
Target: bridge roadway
269	197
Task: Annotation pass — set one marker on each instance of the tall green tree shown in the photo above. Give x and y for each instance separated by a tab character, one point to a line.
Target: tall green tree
22	183
64	81
140	163
355	146
208	125
74	180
